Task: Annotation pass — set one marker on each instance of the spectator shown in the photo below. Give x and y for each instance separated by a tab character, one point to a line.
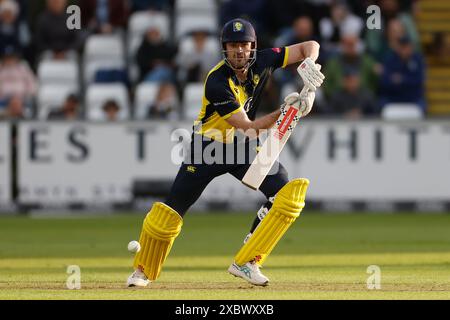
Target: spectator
23	9
155	58
283	14
350	55
52	32
104	16
341	21
252	10
12	31
302	30
377	40
194	60
111	110
359	7
395	30
166	104
14	110
69	111
403	75
352	101
16	77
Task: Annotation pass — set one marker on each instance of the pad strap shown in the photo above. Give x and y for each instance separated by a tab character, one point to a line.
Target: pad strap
160	228
288	204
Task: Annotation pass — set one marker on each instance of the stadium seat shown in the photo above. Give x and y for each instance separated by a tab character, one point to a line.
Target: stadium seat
58	72
134	41
52	96
98	94
91	68
187	49
212	45
401	111
188	22
145	95
103	47
183	6
70	55
140	22
102	52
192	100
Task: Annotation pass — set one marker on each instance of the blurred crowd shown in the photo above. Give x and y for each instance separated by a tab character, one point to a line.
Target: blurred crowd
147	59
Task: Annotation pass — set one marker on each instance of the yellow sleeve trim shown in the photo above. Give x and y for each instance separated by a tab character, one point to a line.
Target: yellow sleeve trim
231	113
286	56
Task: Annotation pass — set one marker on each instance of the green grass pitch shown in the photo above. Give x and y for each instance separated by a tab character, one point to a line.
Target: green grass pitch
323	256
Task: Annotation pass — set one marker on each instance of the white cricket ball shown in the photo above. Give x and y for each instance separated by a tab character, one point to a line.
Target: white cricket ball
134	246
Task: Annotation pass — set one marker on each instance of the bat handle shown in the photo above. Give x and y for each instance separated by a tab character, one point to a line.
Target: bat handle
304	90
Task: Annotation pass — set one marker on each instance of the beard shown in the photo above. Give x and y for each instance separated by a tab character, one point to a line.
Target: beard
240	63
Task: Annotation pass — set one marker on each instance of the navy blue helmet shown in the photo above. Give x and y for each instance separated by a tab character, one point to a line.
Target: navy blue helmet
238	30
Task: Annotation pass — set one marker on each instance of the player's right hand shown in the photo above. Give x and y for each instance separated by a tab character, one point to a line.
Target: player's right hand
310	73
304	101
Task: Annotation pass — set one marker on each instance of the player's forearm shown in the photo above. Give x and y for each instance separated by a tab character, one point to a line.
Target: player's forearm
253	128
301	51
240	121
310	49
262	123
266	121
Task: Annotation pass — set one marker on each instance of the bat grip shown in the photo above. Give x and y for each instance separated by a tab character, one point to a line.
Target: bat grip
304	90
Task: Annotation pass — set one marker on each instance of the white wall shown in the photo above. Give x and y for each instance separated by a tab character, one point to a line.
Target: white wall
5	163
364	160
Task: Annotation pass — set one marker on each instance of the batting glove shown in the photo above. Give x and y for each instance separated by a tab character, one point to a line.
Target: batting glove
304	101
310	73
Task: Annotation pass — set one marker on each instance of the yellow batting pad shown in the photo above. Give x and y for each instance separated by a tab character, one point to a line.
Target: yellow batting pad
160	228
288	204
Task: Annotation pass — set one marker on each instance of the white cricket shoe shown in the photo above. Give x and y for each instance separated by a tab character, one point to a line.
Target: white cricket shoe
137	279
250	272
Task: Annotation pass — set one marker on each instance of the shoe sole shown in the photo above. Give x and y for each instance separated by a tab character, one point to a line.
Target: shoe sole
135	286
131	285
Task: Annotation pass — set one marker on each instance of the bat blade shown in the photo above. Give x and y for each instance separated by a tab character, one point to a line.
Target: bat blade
264	160
272	147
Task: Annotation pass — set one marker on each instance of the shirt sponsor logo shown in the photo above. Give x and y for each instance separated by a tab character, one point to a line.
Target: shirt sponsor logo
222	102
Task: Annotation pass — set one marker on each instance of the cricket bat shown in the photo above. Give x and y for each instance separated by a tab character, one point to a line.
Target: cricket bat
272	146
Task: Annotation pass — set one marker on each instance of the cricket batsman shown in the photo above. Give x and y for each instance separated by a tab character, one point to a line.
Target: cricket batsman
230	100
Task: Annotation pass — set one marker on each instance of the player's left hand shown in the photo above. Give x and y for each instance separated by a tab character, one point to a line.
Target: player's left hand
305	101
310	73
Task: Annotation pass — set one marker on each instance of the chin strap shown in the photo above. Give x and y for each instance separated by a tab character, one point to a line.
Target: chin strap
244	68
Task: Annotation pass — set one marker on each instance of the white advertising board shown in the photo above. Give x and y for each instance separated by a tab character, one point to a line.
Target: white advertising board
344	160
5	163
